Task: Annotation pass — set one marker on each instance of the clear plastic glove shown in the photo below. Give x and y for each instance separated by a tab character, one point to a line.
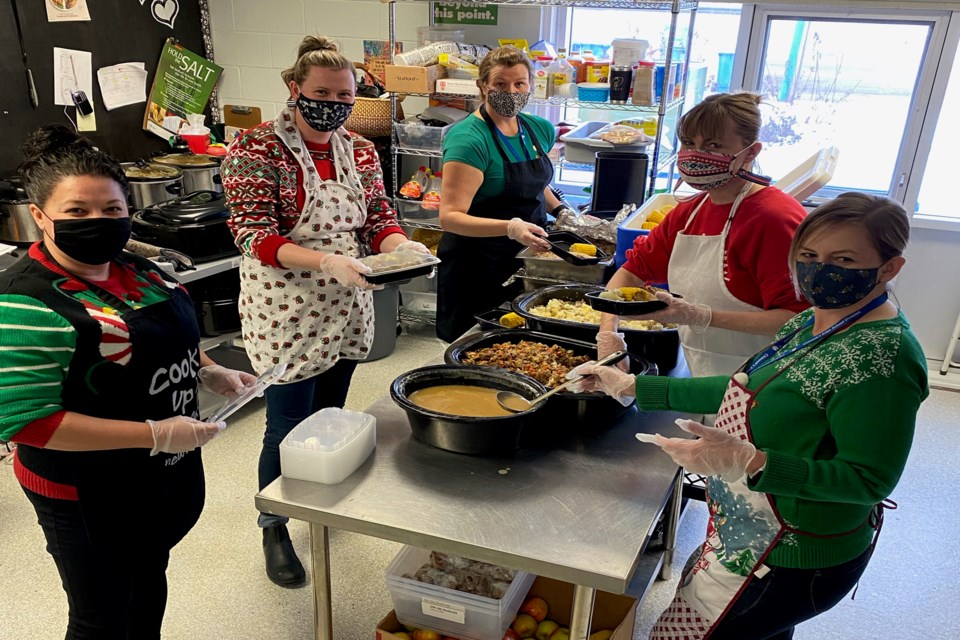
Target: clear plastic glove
715	453
527	234
679	311
181	434
413	245
617	384
226	382
347	270
610	342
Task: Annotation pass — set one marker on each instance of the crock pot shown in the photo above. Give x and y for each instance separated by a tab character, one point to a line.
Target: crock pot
16	224
194	224
201	172
151	182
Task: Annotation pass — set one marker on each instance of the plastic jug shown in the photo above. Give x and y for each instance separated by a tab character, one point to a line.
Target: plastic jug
561	73
431	195
414	187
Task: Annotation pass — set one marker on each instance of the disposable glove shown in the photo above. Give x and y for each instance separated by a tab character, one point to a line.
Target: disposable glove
617	384
181	434
715	453
610	342
412	245
527	234
679	311
347	270
226	382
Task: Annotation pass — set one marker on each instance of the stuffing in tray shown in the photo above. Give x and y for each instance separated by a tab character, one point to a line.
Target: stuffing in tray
547	364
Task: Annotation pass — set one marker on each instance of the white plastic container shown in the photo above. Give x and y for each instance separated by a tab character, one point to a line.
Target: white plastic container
455	613
629	229
811	175
626	52
328	446
582	149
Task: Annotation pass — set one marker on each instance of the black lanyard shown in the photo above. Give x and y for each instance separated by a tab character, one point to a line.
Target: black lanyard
774	352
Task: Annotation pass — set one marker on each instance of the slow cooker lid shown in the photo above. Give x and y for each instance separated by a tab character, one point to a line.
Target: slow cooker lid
12	192
150	171
195	207
188	160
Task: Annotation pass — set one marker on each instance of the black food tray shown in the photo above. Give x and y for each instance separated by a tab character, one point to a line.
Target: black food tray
491	319
560	242
624	307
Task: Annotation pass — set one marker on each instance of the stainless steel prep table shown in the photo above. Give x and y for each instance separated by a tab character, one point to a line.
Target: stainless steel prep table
581	510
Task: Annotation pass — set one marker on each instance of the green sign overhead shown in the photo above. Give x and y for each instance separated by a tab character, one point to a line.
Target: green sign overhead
465	13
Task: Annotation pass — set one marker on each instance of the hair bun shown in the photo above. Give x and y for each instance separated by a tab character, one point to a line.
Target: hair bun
316	43
51	139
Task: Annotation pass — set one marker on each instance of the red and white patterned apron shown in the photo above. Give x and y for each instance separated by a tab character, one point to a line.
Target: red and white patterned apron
744	527
306	318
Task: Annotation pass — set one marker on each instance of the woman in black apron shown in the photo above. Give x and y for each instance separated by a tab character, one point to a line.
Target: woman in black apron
108	347
495	194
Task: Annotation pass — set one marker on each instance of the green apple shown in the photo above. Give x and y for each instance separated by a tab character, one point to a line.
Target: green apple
560	634
545	629
524	625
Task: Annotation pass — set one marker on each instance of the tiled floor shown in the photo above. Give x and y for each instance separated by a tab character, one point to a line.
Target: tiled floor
218	588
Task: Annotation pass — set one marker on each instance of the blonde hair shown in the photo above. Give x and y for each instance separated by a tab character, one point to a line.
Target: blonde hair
315	51
506	56
711	117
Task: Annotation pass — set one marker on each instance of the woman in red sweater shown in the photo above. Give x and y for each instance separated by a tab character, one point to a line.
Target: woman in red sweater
306	200
725	252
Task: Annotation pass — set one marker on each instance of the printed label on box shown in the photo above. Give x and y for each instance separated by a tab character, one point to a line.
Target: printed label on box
443	610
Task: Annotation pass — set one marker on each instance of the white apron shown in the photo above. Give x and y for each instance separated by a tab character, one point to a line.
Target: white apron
696	271
301	317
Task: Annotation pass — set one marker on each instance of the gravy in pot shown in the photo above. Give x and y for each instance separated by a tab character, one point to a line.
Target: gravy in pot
460	400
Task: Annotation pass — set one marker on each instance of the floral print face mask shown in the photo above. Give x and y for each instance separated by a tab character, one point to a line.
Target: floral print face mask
507	104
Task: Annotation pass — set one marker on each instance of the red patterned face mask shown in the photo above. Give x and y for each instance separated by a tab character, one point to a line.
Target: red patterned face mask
705	171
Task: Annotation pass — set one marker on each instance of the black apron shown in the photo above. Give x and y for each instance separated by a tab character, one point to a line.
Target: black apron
473	270
131	499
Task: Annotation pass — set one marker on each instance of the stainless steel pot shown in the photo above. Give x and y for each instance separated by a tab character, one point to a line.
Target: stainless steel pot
201	172
151	183
16	223
477	436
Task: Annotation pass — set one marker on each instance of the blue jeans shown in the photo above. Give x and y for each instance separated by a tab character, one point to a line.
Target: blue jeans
290	404
770	607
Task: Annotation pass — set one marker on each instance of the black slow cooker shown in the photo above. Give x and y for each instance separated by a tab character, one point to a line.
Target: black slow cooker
194	224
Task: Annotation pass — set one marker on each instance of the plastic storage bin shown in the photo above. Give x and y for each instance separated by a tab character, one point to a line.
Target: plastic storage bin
328	446
629	229
456	613
580	148
413	210
593	92
413	134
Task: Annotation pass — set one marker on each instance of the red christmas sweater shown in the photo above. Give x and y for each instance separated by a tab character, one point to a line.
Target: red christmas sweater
755	266
264	188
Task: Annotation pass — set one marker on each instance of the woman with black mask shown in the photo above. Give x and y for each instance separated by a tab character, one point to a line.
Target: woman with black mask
99	368
306	200
495	195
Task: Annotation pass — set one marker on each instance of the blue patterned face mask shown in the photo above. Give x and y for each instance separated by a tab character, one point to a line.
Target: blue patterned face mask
828	286
324	115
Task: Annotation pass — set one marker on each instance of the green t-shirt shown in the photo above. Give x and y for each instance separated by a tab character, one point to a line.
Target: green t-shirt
472	143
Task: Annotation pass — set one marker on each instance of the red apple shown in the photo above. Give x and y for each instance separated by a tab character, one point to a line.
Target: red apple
511	635
535	607
524	625
545	629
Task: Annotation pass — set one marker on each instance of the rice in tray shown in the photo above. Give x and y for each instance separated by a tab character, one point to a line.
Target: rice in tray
580	311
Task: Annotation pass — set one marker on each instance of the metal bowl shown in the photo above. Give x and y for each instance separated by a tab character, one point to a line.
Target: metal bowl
660	347
565	408
498	435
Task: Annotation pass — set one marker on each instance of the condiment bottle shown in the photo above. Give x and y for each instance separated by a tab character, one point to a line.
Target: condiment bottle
414	187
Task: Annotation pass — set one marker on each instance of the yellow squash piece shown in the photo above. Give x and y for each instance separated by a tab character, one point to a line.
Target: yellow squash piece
511	321
582	247
648	225
656	215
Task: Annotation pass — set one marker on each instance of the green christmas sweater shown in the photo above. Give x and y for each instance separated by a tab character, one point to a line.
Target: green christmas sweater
836	425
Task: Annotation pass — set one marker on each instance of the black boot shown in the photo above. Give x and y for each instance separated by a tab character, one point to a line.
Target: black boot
283	566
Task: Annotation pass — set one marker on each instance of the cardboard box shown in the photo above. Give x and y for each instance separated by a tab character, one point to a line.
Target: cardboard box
615	612
458	86
401	79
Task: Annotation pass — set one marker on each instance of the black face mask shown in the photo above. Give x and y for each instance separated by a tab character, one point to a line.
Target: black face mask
91	240
324	115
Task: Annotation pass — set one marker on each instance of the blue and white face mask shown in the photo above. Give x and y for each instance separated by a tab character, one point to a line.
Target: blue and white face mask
828	286
323	115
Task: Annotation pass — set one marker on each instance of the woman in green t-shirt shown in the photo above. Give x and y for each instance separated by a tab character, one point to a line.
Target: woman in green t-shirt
495	194
812	435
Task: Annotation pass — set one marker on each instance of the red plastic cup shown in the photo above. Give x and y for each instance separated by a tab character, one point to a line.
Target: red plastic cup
197	143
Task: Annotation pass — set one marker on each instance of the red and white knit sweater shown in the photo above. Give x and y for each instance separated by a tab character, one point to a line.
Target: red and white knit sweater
265	195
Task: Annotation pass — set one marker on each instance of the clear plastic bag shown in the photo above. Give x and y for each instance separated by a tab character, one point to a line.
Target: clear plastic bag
621	134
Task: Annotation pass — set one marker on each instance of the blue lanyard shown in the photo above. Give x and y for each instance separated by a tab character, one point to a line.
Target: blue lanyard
523	141
773	353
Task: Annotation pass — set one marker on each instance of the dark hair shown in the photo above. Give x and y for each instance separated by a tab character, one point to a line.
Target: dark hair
710	118
885	222
54	152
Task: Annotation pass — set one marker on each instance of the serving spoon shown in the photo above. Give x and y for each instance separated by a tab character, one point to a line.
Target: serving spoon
515	403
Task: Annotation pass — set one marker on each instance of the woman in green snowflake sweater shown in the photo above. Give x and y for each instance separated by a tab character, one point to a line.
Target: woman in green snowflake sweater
812	435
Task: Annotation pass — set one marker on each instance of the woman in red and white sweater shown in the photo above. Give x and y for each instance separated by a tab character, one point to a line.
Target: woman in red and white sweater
306	200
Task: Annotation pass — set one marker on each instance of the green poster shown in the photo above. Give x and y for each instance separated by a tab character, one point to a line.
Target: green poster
465	13
182	85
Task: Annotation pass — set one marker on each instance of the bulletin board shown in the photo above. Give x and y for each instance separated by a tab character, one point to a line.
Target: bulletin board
119	31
